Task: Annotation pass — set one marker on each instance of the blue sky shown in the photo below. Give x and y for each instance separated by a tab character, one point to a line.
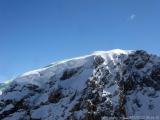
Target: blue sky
34	33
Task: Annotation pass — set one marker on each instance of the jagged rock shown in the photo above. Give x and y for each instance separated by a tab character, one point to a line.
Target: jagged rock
98	60
139	59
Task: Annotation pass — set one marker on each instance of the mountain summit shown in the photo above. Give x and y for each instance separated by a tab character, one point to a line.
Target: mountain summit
105	85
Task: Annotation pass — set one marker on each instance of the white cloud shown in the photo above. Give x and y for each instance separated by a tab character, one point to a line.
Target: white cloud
132	17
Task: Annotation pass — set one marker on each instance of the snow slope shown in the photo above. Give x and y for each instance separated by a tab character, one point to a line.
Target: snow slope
115	84
4	85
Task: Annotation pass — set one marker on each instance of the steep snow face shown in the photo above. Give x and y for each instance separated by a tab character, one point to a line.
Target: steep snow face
116	83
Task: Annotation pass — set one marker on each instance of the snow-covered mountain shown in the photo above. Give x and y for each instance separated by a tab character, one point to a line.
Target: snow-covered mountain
105	85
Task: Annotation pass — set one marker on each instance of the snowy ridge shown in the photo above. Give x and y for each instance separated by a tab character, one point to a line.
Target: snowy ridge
104	85
70	63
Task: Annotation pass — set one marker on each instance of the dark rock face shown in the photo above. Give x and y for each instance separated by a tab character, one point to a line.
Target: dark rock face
126	86
156	73
98	60
55	96
138	59
69	73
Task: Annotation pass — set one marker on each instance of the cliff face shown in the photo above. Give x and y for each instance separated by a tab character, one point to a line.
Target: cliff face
104	85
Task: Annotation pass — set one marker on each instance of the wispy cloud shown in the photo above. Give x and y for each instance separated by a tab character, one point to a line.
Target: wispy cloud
132	16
